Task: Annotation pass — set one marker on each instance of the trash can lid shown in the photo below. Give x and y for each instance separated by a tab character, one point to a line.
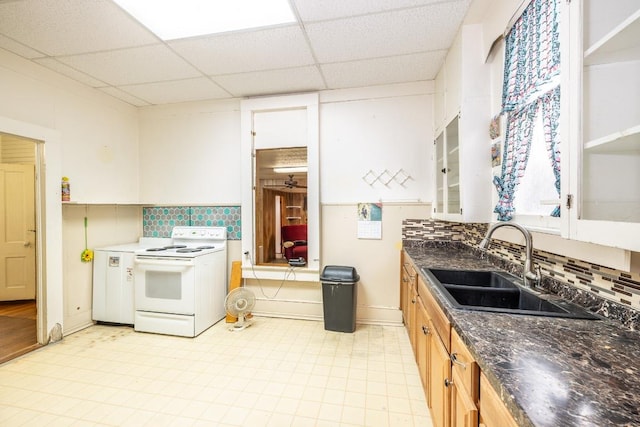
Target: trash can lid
339	273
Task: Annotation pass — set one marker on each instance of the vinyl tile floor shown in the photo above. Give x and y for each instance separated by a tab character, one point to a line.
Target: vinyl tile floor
278	372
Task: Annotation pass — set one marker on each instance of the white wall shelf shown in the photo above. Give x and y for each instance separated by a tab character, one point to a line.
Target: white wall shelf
620	44
627	140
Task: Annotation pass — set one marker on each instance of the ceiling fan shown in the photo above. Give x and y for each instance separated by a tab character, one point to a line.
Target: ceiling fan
288	183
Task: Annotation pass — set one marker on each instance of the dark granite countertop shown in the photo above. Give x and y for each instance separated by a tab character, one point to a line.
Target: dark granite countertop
549	371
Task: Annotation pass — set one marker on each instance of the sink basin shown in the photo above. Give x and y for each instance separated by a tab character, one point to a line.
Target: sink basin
499	292
483	279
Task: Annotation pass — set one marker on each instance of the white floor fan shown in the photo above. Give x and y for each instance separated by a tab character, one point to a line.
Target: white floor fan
238	303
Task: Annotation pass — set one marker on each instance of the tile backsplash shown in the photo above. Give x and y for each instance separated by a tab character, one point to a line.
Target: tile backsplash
158	221
610	292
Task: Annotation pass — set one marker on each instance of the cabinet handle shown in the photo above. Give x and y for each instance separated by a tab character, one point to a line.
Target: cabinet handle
448	382
425	330
443	170
413	301
454	360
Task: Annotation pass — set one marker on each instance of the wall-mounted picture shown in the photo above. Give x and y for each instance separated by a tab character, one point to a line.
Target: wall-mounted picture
494	127
496	154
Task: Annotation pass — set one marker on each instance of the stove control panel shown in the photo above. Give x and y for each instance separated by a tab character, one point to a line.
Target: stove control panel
198	233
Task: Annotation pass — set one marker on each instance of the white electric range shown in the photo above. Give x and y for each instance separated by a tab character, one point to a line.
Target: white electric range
180	287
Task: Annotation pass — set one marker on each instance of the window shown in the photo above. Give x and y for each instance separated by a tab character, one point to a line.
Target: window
531	103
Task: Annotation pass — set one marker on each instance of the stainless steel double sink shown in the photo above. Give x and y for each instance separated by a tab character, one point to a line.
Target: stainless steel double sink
499	292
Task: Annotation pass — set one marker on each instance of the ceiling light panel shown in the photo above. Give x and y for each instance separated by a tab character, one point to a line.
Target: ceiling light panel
177	19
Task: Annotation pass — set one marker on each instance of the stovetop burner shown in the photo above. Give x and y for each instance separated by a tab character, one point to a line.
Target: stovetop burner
206	247
155	249
175	247
188	250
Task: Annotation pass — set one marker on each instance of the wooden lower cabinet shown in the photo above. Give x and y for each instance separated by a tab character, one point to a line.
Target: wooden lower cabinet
440	371
493	412
456	392
464	412
423	342
413	309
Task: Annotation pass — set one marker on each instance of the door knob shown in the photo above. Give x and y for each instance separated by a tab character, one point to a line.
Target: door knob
27	244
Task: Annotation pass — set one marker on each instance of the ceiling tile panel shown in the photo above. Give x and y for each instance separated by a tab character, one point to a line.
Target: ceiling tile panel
177	91
123	96
290	80
65	70
371	72
18	48
321	10
133	66
335	44
392	33
64	27
247	51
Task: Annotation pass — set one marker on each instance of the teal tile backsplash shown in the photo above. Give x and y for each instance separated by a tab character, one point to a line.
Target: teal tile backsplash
158	221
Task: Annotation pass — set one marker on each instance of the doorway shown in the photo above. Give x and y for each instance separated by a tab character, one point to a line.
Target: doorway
18	305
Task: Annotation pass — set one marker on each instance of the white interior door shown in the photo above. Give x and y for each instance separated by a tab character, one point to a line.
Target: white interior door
17	232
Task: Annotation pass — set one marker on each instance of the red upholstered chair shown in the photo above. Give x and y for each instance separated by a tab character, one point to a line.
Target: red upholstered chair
294	241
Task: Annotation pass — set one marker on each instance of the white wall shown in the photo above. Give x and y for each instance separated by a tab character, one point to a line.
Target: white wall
98	134
190	153
381	128
89	136
377	129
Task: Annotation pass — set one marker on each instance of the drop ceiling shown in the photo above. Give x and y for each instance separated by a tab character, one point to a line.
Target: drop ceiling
334	44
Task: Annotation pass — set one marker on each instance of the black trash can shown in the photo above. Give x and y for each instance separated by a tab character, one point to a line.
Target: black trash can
339	297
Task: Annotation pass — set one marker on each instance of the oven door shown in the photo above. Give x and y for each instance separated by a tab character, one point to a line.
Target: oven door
165	285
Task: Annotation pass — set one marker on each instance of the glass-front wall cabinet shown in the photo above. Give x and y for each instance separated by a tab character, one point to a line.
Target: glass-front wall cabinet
606	88
447	171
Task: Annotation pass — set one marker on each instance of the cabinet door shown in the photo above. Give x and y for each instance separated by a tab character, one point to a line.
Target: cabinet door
601	121
440	370
453	168
438	206
423	337
447	151
464	412
493	413
404	287
413	322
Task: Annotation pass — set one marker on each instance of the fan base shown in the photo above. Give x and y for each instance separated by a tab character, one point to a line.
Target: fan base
240	325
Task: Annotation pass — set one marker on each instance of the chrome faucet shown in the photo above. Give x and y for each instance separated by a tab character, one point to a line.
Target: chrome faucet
529	272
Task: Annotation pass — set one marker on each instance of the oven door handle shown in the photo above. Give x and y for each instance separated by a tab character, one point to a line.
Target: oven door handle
165	262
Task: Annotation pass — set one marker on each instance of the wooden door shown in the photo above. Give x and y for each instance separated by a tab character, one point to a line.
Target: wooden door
17	233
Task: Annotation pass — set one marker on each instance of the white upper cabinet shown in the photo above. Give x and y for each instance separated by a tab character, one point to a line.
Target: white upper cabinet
600	97
462	144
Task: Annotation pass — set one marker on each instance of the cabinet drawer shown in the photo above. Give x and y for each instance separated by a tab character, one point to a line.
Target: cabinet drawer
409	272
465	366
435	313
